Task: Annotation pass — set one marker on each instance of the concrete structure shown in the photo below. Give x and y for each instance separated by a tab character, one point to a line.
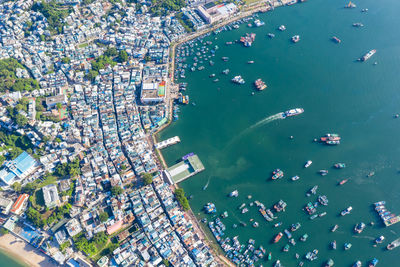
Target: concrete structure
73	227
50	196
212	13
52	101
5	205
171	141
17	169
186	168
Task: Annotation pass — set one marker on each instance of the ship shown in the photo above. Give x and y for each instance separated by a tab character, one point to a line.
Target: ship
336	40
393	244
278	237
282	28
238	79
295	38
368	55
277	174
234	193
308	164
346	211
292	112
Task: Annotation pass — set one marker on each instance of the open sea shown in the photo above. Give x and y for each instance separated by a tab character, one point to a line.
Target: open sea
240	144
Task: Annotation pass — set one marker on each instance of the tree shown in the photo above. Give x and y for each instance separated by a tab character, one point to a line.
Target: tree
111	52
147	178
165	262
181	198
16	186
123	167
103	216
35	217
59	106
21	120
29	188
66	60
116	190
122	56
3	231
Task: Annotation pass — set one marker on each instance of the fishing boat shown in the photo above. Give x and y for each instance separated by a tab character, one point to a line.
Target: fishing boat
334	228
260	85
238	80
292	112
346	211
258	23
342	182
278	224
286	248
308	164
255	224
312	255
210	208
350	5
304	237
292	242
271	35
322	214
234	193
323	200
393	244
269	256
339	165
295	38
278	237
357	264
225	71
379	239
347	246
250	62
358	228
323	172
313	190
373	262
333	244
245	210
368	55
313	216
329	263
295	178
282	28
277	174
242	206
336	40
287	233
358	24
278	264
295	226
224	215
370	174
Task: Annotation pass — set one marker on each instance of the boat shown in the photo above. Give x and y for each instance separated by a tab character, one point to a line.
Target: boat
234	193
342	182
295	226
271	35
292	242
295	178
215	80
323	172
260	85
357	264
286	248
370	174
250	62
269	256
323	200
333	142
304	237
368	55
295	38
225	71
313	190
308	164
225	59
238	79
347	246
364	10
334	228
346	211
224	215
292	112
212	75
248	39
336	40
339	165
373	262
210	208
379	239
358	24
282	28
242	206
313	216
183	99
350	5
278	224
329	263
322	214
277	174
278	237
255	224
258	23
278	264
359	227
393	244
287	233
312	255
333	244
280	206
245	210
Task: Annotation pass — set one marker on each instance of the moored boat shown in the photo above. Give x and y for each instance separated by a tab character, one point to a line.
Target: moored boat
308	164
339	165
359	227
277	174
234	193
393	244
373	262
342	182
334	228
295	38
346	211
278	237
336	40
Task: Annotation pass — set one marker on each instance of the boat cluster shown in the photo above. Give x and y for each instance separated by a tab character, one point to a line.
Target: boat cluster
330	139
260	85
248	39
387	217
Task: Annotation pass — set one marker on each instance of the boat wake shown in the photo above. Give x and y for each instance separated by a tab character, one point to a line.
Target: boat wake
208	181
278	116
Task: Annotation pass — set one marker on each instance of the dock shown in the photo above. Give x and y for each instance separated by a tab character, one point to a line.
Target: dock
187	167
169	142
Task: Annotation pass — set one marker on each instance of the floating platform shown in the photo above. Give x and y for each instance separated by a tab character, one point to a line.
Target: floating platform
184	169
169	142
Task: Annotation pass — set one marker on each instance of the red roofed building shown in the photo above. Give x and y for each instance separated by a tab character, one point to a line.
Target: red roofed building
20	204
114	228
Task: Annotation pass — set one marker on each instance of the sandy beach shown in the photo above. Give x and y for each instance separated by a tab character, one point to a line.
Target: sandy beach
23	252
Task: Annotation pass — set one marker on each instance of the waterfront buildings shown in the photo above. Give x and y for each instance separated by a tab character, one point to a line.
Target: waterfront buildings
17	169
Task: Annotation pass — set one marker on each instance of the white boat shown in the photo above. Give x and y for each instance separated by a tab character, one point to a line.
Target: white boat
308	164
296	38
295	178
234	193
282	28
292	112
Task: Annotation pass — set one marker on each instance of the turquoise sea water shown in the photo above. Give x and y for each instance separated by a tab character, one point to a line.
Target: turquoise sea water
356	100
7	261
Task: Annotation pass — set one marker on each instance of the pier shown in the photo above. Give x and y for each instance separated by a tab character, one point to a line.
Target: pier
189	166
169	142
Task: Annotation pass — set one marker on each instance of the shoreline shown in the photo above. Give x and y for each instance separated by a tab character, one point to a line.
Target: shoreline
254	8
23	253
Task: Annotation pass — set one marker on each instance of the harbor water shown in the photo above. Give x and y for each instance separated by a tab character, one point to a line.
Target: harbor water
241	138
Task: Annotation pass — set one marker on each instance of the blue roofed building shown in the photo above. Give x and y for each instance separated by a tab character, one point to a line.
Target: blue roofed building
17	169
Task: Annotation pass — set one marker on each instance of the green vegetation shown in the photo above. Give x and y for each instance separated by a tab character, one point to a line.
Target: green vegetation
163	7
147	178
65	245
16	187
3	231
8	79
15	144
116	190
55	14
92	247
181	198
35	217
103	216
165	262
122	56
66	60
186	23
58	214
72	169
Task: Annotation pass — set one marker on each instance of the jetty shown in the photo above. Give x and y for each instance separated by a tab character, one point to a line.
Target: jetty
189	165
169	142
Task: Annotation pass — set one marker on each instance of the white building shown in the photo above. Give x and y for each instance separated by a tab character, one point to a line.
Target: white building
50	195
